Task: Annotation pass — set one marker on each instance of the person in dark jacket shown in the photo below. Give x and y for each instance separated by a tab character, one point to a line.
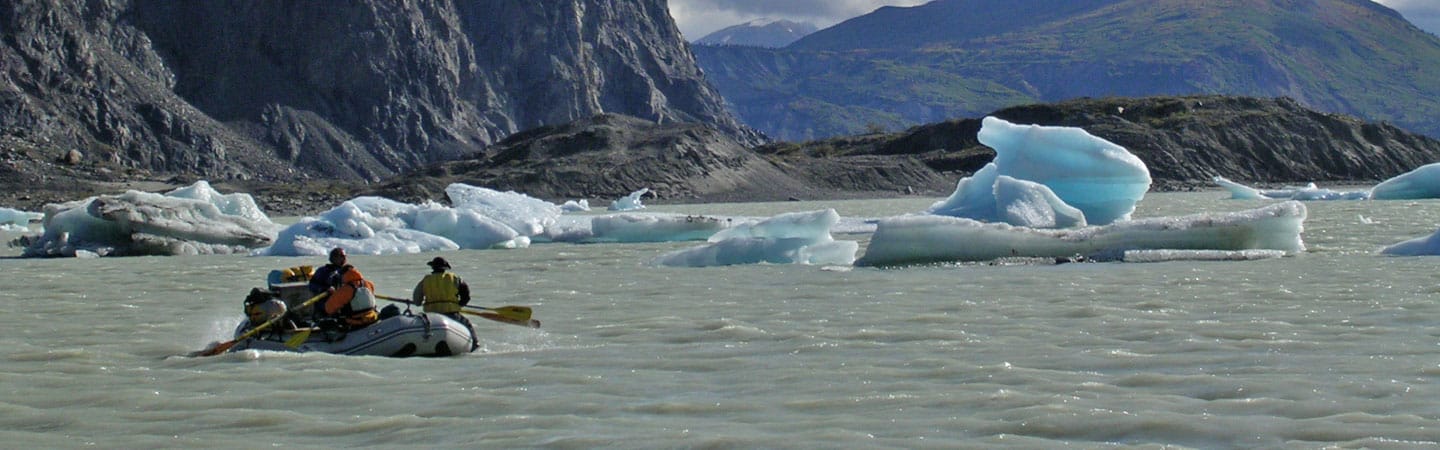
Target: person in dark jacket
328	277
351	299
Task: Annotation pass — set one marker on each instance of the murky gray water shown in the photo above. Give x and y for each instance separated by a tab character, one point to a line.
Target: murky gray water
1335	347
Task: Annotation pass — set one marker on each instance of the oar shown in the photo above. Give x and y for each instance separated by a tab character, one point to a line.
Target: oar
514	315
224	346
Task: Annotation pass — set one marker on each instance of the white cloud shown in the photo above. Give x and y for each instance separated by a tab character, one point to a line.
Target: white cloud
1423	13
697	18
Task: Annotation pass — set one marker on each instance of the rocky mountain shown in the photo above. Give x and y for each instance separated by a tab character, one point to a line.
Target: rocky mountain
365	89
770	33
899	67
610	156
1185	142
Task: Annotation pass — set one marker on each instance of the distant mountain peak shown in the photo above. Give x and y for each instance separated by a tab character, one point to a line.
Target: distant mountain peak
763	32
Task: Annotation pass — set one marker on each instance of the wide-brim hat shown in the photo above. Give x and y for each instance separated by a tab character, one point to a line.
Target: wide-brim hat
439	262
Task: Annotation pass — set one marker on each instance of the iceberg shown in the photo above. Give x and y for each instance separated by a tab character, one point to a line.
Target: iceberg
921	239
1308	192
187	221
1421	246
632	227
527	215
630	202
1423	182
1029	204
362	226
481	219
1084	173
790	238
17	220
576	206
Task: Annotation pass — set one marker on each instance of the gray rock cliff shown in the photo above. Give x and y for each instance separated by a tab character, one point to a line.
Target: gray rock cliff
352	89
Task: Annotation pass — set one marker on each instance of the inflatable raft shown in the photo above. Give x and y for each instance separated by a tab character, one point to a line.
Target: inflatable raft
399	335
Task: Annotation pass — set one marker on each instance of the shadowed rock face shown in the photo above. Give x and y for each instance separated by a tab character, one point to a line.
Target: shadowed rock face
610	156
1184	141
357	89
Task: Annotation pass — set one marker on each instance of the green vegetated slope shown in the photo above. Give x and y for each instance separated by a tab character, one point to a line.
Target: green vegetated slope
962	58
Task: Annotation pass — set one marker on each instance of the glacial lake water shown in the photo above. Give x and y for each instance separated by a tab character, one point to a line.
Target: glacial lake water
1335	347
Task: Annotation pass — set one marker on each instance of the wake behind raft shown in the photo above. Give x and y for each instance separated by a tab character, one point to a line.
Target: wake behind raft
286	307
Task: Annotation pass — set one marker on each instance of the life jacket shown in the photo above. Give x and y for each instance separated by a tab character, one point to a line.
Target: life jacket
297	273
354	299
441	292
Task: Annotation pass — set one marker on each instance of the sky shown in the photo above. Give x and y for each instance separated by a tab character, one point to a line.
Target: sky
698	18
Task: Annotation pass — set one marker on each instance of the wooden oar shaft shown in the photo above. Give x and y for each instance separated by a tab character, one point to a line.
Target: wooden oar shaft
513	315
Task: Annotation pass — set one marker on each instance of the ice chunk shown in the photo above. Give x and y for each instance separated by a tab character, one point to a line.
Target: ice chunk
1029	204
1421	246
1199	255
789	238
1423	182
1102	180
527	215
193	220
1308	192
575	206
927	239
655	227
480	219
380	226
17	220
630	202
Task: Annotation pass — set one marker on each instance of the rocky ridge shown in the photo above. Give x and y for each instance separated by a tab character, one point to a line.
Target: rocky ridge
1185	141
283	91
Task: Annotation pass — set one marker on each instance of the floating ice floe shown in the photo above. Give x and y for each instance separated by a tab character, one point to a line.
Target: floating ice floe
1048	177
1308	192
636	227
1420	246
576	206
1423	182
17	220
630	202
920	239
186	221
481	219
790	238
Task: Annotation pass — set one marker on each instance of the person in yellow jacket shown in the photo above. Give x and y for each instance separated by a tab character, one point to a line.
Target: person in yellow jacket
444	293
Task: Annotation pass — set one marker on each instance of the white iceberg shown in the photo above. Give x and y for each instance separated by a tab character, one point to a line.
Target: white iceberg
481	219
187	221
1421	246
655	227
791	238
630	202
17	220
576	206
1030	204
920	239
1423	182
1308	192
1101	180
527	215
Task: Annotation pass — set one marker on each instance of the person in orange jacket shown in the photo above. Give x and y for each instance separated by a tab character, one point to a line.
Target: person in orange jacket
352	297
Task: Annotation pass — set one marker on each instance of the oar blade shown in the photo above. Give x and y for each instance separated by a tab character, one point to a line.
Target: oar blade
217	349
514	312
510	320
298	339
